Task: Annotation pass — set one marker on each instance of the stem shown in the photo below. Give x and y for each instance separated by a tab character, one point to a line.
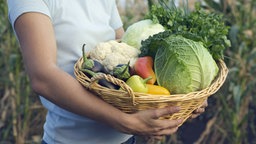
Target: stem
147	79
88	63
84	56
88	72
127	66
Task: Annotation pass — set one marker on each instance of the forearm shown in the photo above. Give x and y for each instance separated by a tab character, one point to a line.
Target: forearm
47	79
65	91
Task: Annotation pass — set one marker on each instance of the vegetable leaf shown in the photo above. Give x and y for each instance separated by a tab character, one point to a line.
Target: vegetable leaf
183	65
198	25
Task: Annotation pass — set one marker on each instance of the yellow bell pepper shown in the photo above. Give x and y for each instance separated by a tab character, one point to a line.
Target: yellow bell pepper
157	90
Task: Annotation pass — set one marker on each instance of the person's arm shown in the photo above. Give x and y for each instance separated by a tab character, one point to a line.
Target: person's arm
119	33
38	46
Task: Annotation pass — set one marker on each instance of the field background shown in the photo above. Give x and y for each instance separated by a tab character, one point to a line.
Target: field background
230	117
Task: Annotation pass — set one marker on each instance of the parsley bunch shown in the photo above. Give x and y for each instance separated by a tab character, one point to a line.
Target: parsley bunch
198	25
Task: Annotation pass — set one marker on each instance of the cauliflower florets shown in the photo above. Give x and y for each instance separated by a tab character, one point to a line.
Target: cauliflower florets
113	53
101	51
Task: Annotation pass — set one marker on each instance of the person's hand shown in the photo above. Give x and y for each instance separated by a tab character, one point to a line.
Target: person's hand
200	110
147	123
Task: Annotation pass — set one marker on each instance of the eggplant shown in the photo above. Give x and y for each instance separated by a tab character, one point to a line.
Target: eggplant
97	66
123	71
102	82
108	84
90	64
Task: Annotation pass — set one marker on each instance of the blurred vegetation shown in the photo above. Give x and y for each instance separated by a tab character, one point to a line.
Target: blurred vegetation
229	118
236	108
21	114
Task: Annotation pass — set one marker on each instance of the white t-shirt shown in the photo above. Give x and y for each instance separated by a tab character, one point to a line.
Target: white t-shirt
75	23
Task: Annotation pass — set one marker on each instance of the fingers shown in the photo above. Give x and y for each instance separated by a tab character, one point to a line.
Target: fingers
199	110
161	134
168	131
164	111
165	126
148	122
205	104
194	116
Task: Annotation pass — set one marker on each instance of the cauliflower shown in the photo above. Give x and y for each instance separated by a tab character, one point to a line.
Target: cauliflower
113	53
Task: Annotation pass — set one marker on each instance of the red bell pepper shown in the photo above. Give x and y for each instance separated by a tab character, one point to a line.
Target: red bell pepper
144	68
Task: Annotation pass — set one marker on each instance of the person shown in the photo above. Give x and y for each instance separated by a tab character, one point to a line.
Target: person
51	34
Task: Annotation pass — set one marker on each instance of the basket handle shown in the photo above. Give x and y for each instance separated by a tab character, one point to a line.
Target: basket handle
115	81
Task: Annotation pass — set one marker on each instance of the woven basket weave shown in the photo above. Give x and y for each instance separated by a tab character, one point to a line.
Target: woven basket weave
130	102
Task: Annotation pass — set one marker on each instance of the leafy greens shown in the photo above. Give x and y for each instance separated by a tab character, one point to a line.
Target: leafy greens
183	65
198	25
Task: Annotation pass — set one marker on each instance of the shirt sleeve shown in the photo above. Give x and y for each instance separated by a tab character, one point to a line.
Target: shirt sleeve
116	21
19	7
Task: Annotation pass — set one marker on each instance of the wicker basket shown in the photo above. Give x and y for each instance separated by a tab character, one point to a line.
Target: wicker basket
130	102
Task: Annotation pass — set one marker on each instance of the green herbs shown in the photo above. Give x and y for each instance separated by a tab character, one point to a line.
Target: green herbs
153	43
197	25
